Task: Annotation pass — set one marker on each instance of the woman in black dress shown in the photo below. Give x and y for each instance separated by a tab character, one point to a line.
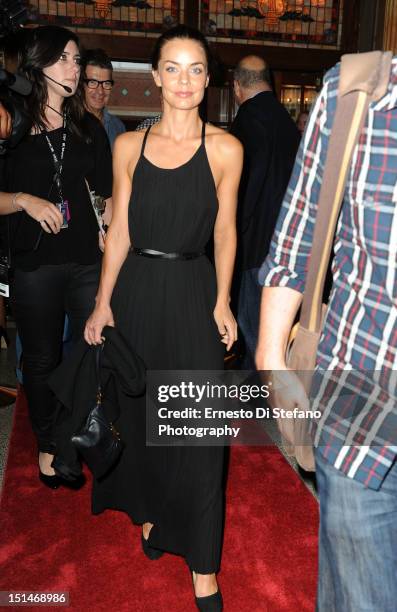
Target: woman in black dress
175	185
55	256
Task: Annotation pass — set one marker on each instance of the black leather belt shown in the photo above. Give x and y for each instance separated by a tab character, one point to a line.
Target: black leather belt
161	255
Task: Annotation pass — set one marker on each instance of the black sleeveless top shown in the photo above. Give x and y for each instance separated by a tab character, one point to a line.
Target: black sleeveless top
173	210
29	168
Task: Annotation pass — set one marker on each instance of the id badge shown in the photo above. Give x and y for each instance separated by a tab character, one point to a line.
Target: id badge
4	280
63	208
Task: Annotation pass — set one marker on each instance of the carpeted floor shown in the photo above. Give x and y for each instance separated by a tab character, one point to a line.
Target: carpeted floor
50	542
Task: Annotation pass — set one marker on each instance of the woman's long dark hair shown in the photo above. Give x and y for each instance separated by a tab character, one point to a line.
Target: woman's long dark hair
44	47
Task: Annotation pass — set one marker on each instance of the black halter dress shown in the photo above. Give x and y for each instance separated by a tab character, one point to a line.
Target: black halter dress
165	309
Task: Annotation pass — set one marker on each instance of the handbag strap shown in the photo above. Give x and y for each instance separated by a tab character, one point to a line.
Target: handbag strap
364	79
94	208
98	353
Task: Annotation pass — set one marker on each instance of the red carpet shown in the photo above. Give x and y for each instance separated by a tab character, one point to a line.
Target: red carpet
50	541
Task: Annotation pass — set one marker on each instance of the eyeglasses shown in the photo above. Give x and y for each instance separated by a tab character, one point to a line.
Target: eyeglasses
94	83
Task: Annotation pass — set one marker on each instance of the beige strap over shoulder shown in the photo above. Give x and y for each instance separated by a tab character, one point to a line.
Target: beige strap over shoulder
364	79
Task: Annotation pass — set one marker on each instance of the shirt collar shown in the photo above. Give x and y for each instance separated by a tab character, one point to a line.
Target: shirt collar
389	100
258	93
106	115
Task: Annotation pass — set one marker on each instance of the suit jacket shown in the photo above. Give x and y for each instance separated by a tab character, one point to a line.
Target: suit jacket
270	139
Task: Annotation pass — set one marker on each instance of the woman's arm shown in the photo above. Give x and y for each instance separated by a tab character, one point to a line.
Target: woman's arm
118	238
230	160
46	213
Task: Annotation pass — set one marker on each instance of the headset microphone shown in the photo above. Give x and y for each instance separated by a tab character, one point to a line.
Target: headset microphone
66	87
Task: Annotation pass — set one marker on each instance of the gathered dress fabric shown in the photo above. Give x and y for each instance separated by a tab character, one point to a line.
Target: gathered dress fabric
164	308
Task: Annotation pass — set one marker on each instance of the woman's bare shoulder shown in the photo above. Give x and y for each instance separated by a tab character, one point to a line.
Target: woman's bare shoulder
129	141
222	142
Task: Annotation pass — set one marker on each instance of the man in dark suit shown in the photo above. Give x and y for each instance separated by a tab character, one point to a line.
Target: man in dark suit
270	139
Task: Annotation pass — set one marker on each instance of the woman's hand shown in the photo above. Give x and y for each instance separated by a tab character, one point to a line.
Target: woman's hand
46	213
100	317
226	324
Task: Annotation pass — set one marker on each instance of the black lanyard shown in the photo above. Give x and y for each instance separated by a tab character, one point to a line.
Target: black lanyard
58	163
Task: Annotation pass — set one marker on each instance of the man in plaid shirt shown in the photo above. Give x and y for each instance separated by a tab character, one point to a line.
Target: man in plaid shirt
355	438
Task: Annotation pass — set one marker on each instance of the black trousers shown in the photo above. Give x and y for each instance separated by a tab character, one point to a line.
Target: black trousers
40	299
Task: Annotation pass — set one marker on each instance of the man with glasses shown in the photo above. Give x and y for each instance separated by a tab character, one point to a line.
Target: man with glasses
98	84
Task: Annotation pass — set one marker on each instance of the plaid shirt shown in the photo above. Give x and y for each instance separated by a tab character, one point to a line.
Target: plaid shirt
357	432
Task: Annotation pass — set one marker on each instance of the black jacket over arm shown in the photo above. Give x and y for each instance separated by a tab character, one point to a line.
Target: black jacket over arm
270	139
75	384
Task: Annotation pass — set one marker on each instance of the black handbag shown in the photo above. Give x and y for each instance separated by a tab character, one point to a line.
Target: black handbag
98	442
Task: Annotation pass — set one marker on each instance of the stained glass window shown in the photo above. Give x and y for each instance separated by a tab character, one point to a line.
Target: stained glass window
128	17
292	22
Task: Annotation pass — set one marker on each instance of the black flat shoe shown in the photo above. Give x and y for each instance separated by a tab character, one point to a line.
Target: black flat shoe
151	553
52	482
211	603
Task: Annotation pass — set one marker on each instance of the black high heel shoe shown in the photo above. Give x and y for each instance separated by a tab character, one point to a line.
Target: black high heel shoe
211	603
152	553
52	482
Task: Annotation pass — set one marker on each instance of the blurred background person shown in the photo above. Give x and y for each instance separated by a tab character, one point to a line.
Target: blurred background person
5	132
55	252
10	48
301	121
270	140
98	85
